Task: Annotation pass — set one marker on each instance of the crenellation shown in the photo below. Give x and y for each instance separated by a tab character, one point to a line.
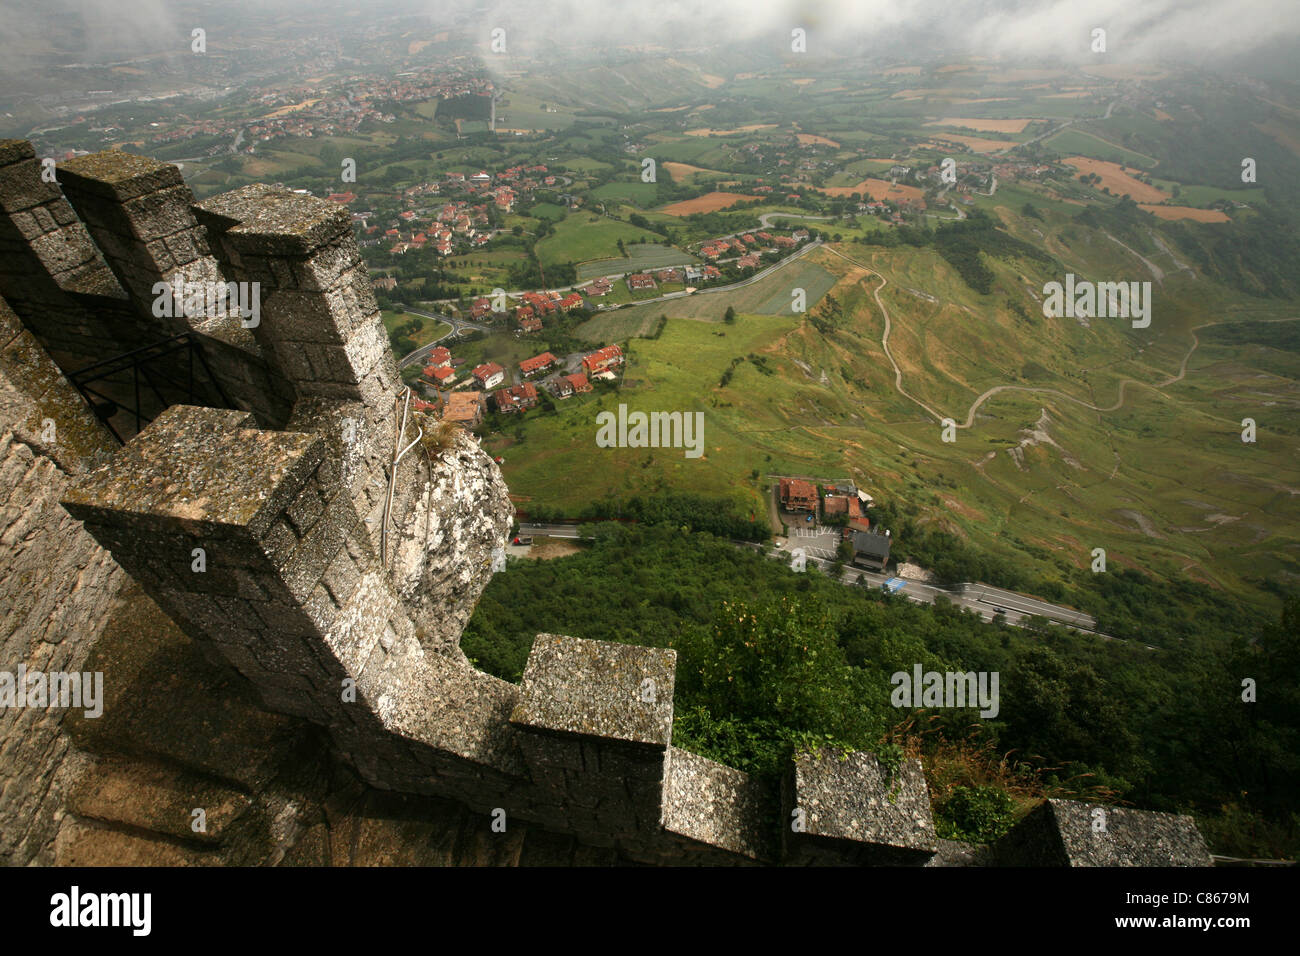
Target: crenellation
286	496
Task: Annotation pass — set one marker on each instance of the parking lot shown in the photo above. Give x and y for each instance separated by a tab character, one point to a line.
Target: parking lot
816	540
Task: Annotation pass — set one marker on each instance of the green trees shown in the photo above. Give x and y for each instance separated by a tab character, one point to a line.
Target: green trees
729	316
769	659
773	672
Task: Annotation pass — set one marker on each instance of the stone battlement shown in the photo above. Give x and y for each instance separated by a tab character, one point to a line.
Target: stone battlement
272	520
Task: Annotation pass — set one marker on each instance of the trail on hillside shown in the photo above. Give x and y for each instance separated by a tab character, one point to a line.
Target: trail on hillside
997	389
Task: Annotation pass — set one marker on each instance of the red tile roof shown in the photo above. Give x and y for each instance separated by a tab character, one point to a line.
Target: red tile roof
537	362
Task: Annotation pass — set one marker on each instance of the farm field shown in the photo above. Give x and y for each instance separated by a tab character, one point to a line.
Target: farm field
1202	195
984	125
976	144
1117	181
770	296
641	257
1185	212
583	236
709	202
1079	143
707	131
643	194
809	139
877	189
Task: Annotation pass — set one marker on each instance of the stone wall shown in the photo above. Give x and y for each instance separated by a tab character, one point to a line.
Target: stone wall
266	534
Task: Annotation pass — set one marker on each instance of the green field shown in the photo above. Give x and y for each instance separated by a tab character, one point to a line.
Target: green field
547	210
430	331
641	256
583	236
769	296
1204	195
1075	142
643	194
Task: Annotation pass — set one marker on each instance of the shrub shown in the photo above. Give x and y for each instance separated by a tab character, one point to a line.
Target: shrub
975	814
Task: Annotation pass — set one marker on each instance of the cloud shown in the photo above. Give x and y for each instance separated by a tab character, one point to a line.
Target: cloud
1056	29
560	30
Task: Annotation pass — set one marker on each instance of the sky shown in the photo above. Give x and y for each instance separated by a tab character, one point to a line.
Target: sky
1137	30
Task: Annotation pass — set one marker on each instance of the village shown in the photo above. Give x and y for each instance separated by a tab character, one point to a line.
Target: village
466	398
829	520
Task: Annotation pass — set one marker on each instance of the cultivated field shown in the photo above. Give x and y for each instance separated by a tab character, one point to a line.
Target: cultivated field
769	296
808	139
641	257
879	189
1080	143
1186	212
584	236
709	202
1117	181
709	131
977	144
985	125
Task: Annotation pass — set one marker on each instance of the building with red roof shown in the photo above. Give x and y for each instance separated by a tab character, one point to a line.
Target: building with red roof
439	375
602	359
489	374
516	398
797	495
538	363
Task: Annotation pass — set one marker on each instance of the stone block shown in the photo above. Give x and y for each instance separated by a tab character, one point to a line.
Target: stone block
723	808
234	479
1071	833
850	810
617	692
115	175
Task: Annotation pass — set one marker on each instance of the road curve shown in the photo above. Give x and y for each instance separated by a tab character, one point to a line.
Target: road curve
997	389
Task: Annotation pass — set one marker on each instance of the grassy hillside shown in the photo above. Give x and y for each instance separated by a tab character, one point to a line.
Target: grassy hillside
1162	482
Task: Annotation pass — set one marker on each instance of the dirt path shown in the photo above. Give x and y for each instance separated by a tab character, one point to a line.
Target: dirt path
998	389
1156	272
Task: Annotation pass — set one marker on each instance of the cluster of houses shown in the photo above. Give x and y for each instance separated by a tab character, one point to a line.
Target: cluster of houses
456	225
528	315
749	246
306	112
467	406
870	546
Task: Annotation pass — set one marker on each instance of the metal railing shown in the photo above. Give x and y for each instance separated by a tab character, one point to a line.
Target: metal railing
146	364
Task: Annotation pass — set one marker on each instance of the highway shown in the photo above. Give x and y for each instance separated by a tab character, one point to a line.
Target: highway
981	599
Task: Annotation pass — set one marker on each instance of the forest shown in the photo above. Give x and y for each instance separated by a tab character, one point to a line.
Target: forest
770	660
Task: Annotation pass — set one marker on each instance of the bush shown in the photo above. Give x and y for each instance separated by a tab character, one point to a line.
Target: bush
975	814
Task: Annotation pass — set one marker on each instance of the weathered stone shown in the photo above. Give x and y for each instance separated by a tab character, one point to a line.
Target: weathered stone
851	810
599	689
1070	833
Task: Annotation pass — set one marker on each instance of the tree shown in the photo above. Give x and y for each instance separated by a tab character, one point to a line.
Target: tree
730	316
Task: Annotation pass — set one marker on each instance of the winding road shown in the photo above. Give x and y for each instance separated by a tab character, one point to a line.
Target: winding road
997	389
